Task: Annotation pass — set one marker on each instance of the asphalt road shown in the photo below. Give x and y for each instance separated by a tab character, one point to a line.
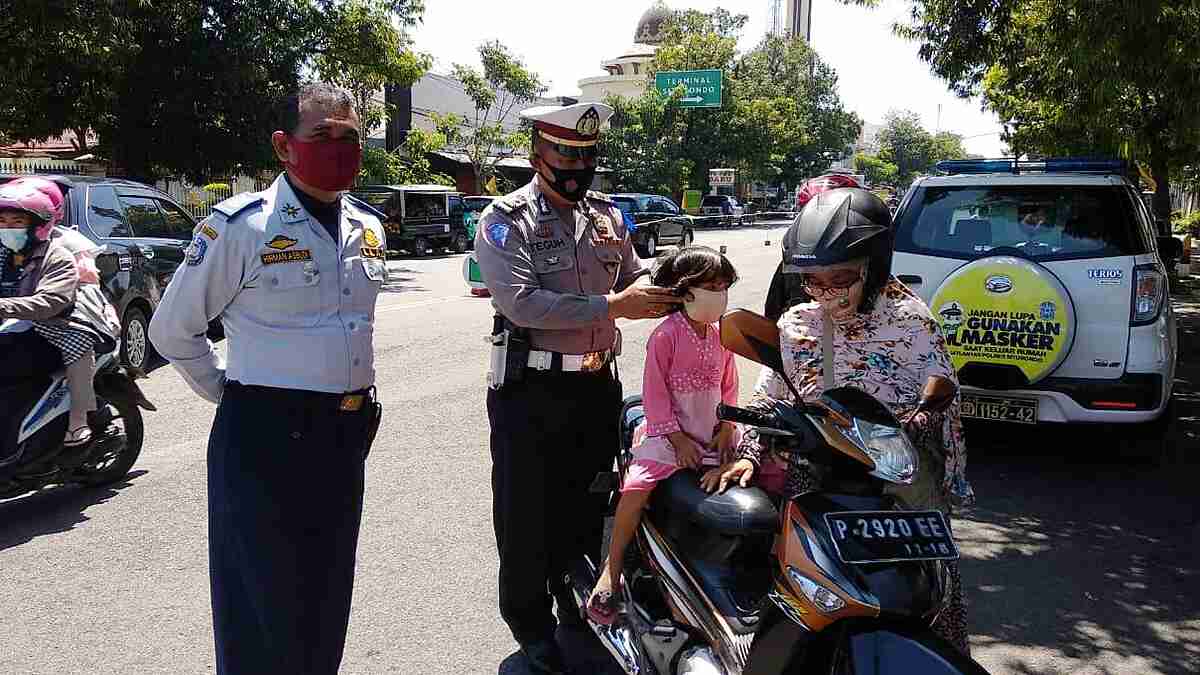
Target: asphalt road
1079	558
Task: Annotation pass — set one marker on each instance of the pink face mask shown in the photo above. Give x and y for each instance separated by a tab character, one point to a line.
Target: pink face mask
329	165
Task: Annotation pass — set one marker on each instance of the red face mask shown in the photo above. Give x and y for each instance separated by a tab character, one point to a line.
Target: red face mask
329	165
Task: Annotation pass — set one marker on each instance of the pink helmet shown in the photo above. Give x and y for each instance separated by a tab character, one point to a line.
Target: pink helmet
46	187
815	186
28	199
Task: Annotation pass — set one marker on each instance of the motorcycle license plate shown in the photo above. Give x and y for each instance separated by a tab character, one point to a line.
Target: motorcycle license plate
1022	410
890	536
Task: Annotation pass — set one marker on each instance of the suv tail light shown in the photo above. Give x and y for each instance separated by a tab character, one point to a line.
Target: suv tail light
1149	294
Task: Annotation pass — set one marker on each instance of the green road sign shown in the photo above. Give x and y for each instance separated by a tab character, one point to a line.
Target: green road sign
703	87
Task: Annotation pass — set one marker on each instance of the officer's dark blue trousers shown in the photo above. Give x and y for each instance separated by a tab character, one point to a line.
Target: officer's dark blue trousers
285	491
551	434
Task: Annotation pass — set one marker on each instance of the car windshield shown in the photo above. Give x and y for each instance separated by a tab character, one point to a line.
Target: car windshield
1040	222
424	205
477	204
625	204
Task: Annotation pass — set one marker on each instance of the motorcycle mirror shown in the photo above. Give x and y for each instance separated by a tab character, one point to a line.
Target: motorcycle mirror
755	337
938	394
752	336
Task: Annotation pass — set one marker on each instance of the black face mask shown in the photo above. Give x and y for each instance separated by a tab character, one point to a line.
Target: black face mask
560	177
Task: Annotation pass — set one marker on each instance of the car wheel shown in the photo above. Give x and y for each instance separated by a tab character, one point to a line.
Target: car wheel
420	247
135	340
459	243
688	238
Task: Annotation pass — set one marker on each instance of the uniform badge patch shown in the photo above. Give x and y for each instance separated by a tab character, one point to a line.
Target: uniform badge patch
299	255
371	239
291	210
497	234
370	252
282	243
194	255
207	231
604	230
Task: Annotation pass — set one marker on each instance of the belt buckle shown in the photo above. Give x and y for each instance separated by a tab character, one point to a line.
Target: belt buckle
593	361
351	403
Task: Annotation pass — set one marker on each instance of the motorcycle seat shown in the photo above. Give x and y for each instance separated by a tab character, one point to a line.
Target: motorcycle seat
736	512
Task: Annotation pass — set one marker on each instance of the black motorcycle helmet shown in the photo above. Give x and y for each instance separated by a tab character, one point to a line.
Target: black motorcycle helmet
839	226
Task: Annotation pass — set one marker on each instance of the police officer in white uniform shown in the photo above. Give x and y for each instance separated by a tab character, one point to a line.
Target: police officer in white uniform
293	272
560	266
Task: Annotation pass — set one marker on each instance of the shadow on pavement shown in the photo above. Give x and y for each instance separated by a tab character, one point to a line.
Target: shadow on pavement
51	511
400	280
1081	550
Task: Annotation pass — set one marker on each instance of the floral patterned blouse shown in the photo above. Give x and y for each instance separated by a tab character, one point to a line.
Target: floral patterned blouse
888	353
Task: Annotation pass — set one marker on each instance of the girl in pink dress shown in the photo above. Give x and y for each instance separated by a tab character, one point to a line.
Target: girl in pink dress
688	373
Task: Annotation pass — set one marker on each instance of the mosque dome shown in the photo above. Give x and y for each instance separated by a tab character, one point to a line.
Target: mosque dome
652	24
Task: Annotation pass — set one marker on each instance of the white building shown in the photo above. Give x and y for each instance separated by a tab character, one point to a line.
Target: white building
629	74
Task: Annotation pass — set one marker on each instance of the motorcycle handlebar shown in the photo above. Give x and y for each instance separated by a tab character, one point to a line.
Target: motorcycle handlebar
752	418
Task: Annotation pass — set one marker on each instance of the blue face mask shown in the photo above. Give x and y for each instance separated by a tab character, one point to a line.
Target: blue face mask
14	240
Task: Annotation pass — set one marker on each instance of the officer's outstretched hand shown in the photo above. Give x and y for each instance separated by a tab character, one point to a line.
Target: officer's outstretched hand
642	302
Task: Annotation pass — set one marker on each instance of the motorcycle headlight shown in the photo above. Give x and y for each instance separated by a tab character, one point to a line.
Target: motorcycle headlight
894	456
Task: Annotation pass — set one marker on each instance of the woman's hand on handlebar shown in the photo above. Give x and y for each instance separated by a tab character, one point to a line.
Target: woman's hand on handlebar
720	478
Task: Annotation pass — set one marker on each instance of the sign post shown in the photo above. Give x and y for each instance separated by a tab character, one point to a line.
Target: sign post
702	88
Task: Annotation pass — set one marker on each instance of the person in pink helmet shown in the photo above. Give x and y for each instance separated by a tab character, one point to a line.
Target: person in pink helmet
39	281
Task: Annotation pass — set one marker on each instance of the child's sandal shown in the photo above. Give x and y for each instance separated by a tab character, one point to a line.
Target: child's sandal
78	437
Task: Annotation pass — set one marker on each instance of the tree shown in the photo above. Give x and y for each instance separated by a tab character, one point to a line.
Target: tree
904	143
877	171
780	120
396	63
407	165
181	86
503	84
1076	76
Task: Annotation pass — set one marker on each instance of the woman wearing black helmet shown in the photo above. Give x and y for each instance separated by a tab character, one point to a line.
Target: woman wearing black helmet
885	342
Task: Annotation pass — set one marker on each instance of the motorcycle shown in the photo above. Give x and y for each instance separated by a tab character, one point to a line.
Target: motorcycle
843	580
33	426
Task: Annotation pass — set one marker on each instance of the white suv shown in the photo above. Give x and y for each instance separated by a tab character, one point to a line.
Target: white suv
1047	282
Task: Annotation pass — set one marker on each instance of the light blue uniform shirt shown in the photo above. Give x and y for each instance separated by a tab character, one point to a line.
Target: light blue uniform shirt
298	308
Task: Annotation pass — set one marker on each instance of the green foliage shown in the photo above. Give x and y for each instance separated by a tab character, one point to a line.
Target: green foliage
1076	76
877	171
502	85
184	87
780	120
1186	224
909	149
408	165
362	27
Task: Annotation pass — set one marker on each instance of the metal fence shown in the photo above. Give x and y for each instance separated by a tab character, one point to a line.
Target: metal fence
198	200
39	165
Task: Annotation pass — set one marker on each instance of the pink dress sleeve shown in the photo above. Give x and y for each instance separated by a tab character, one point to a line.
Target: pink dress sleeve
656	396
729	380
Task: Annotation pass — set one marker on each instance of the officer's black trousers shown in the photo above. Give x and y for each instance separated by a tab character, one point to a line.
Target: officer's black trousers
285	491
551	434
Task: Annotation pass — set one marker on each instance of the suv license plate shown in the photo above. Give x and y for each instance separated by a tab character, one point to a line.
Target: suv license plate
1022	410
890	536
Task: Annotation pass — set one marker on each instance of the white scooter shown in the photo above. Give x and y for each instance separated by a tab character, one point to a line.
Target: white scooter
33	425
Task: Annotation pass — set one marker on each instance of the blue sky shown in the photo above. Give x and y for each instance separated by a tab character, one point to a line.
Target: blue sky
877	70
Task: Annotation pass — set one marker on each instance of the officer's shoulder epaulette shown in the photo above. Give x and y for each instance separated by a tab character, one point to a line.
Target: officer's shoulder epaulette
511	204
600	197
236	204
364	206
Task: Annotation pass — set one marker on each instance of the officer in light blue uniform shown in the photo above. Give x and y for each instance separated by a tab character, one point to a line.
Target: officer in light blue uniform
293	272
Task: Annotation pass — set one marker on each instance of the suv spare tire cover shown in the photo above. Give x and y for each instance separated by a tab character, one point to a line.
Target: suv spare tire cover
1006	310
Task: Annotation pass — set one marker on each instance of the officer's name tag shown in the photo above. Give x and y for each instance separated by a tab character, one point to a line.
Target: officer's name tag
286	256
